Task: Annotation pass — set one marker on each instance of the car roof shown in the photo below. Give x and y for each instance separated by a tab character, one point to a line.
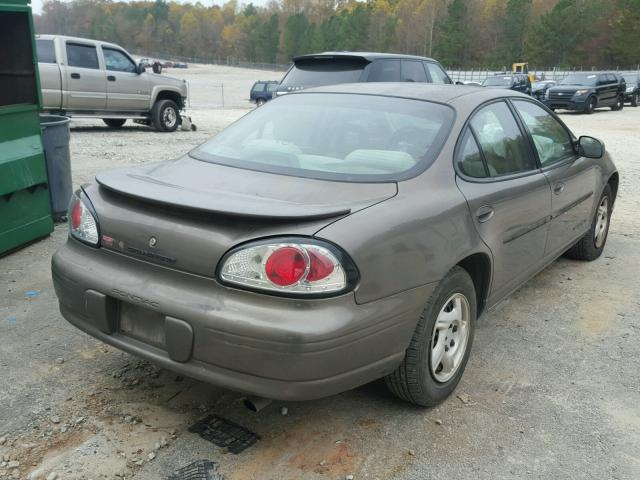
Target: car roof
77	39
369	56
449	94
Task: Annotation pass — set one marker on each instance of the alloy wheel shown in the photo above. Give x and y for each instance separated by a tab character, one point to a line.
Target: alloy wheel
450	338
602	222
169	117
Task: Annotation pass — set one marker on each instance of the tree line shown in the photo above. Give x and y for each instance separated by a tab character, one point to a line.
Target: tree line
459	33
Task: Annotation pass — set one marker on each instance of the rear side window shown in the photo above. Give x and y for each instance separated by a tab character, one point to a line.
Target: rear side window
413	71
502	143
46	51
384	71
83	56
324	71
469	157
437	74
259	87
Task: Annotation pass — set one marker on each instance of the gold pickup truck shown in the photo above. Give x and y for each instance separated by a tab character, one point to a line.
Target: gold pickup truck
89	78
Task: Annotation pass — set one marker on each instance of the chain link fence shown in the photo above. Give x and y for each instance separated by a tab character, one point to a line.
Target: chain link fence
557	74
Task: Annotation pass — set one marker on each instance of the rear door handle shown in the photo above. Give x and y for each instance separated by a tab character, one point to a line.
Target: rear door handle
75	75
111	78
558	188
485	213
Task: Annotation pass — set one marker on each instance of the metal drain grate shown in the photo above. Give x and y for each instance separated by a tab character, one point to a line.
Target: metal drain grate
200	470
224	433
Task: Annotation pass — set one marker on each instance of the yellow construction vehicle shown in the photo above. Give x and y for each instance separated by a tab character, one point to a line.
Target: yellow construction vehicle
523	67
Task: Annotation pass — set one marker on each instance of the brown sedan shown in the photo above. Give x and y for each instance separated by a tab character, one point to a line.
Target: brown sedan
333	237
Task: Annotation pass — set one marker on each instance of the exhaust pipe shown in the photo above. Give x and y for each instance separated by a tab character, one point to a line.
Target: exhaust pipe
255	404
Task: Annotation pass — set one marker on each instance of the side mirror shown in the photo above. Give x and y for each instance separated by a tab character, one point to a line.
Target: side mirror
140	69
590	147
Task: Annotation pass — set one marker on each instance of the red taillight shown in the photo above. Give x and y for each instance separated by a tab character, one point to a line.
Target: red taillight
285	266
76	214
319	267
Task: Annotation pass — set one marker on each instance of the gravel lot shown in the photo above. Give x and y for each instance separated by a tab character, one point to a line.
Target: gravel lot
551	391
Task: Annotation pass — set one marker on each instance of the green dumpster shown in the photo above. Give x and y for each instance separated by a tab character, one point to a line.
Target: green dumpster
25	213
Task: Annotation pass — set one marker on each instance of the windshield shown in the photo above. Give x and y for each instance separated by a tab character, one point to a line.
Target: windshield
498	81
631	78
334	136
325	71
586	79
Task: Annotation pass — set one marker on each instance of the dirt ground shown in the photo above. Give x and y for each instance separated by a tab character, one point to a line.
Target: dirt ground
551	391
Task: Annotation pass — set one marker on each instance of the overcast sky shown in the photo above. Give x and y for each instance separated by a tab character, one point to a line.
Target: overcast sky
36	5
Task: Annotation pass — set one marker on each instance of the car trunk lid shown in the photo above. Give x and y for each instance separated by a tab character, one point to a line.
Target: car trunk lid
186	213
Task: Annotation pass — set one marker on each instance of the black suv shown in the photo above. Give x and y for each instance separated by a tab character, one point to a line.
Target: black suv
585	91
632	91
513	81
262	91
331	68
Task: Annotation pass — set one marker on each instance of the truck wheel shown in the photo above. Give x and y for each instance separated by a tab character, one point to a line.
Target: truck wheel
619	103
590	106
114	122
441	343
165	116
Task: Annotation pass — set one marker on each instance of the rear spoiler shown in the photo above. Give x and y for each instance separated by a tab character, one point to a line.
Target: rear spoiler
330	56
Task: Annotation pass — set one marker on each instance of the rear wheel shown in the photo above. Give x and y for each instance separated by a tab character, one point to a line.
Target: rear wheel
114	122
260	102
440	346
590	106
165	116
591	245
619	103
635	99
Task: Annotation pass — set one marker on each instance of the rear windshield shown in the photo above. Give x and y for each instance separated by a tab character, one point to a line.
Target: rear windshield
334	136
586	79
325	71
499	81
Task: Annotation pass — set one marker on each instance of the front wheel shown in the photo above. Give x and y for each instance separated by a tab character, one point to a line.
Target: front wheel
165	116
114	122
441	344
591	245
590	106
619	103
635	99
260	102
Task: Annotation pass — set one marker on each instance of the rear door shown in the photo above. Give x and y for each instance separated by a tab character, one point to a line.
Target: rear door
127	91
84	78
573	179
508	196
50	79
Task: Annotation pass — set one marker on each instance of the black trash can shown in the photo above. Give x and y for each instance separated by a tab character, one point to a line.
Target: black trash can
55	142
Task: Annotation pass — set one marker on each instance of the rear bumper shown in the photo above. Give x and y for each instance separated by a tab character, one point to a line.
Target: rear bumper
279	348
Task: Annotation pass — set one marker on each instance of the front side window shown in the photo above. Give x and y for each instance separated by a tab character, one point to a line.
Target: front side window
498	81
437	74
384	71
83	56
501	140
46	51
551	140
413	71
272	87
334	136
117	61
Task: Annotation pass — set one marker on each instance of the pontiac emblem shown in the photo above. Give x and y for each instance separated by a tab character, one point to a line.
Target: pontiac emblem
153	241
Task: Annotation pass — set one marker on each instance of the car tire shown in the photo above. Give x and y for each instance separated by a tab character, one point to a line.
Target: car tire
114	122
619	103
415	380
635	99
260	102
591	245
590	106
165	116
